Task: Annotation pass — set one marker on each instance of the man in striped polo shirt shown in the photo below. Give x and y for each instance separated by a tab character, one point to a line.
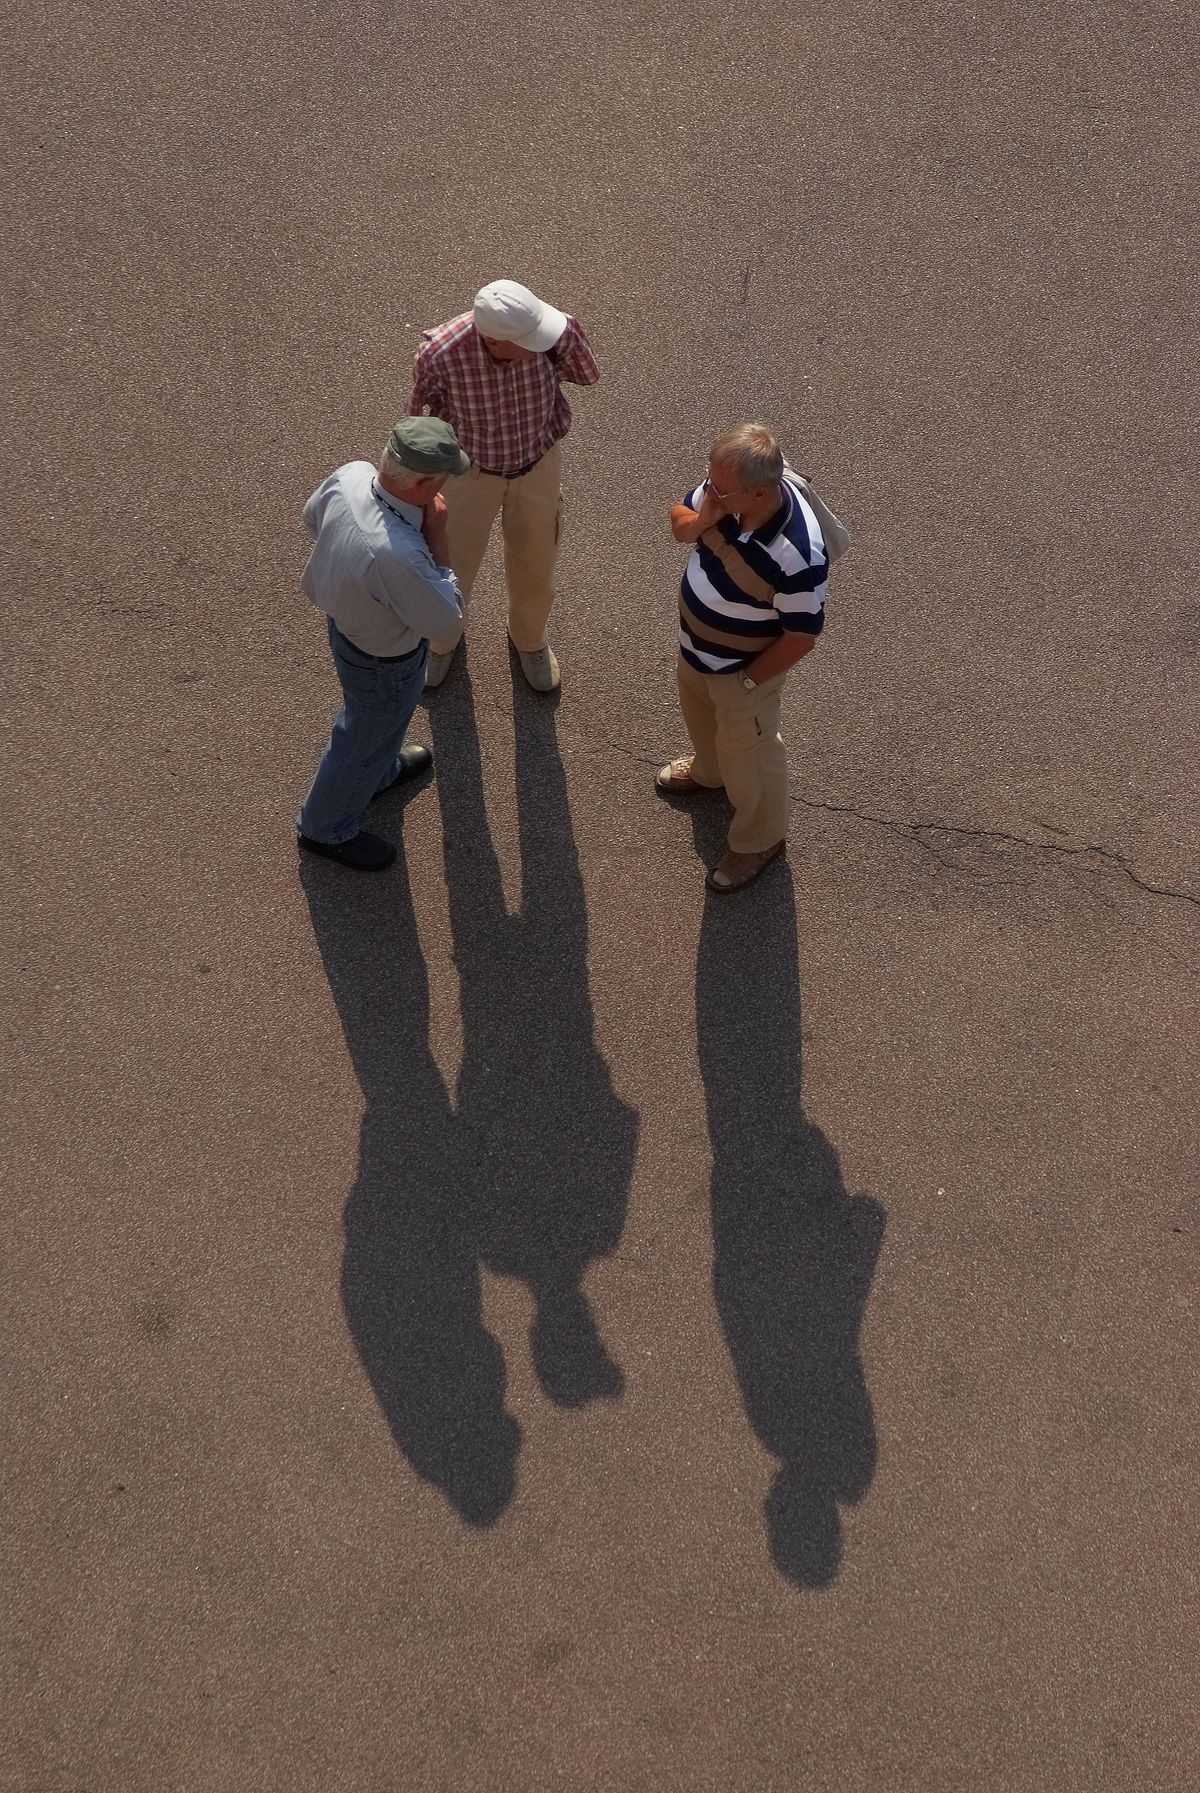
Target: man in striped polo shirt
751	603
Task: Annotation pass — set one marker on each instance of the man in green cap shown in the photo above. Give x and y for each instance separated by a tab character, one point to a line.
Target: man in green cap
380	572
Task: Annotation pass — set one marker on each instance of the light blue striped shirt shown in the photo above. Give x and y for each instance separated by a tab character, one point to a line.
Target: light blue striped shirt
371	569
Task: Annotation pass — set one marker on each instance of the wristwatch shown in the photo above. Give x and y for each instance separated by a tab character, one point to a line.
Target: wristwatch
749	683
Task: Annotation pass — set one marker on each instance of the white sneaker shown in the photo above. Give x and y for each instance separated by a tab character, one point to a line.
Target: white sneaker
540	668
437	666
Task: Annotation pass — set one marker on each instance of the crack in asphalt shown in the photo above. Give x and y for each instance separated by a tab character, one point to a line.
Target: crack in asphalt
915	830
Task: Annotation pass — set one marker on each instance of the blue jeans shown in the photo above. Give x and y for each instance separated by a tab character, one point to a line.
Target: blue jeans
379	697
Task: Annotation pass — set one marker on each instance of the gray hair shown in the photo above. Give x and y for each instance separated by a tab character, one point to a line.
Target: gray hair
394	468
752	453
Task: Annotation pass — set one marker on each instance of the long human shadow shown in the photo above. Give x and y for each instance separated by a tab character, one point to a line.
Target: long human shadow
794	1254
526	1170
410	1275
547	1146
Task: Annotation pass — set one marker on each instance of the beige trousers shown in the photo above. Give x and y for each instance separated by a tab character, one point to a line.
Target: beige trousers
530	511
735	734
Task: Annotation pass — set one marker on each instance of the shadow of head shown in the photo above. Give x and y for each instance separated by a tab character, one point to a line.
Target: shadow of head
476	1468
804	1529
569	1356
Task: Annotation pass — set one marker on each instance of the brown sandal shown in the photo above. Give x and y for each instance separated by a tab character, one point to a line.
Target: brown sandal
736	870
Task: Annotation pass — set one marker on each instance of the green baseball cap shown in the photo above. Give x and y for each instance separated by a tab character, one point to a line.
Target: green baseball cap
427	445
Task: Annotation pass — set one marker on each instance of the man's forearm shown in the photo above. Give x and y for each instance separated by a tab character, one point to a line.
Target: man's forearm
427	598
572	357
781	656
686	526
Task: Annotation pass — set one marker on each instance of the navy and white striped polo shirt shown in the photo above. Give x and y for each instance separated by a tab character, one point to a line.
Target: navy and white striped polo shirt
739	592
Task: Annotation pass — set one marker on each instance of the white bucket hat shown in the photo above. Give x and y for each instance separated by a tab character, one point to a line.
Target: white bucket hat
509	311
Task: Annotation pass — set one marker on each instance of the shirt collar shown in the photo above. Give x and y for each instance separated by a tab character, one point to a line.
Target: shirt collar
766	532
500	368
407	513
779	519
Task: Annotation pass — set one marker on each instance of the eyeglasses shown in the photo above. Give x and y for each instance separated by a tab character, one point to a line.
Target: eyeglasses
717	493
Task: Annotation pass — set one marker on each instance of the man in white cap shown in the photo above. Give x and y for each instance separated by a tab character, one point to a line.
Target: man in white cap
495	375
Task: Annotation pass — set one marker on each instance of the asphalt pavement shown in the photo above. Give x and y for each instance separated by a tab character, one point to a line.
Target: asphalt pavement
517	1322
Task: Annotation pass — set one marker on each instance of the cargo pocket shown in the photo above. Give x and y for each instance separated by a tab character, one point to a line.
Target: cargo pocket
741	734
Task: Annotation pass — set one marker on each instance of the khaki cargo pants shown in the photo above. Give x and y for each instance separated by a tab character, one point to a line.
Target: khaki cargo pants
530	510
737	743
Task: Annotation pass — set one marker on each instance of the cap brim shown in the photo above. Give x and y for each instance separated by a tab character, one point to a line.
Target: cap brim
551	327
464	465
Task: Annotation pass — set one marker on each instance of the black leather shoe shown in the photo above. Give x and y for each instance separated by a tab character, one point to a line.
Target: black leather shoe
413	761
365	853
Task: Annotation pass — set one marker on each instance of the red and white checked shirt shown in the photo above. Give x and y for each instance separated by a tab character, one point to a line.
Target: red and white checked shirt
506	414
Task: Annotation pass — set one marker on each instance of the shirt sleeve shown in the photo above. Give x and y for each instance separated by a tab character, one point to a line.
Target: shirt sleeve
796	621
801	583
800	599
572	357
312	510
422	594
429	390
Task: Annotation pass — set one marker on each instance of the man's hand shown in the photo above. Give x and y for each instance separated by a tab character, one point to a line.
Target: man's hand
434	527
712	508
688	526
